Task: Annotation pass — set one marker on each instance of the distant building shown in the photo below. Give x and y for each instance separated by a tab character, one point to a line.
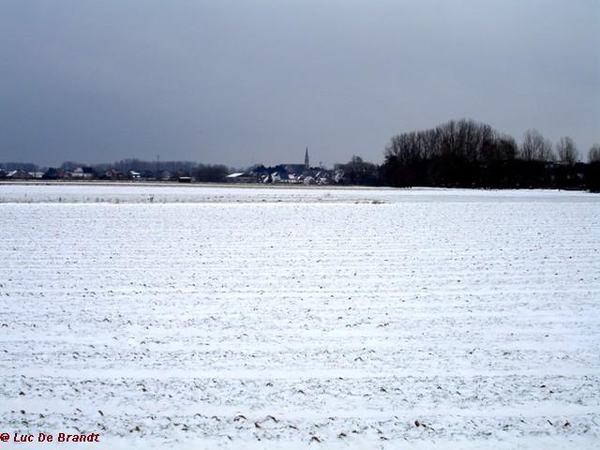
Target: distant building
240	177
285	173
296	171
83	173
306	161
112	174
18	175
52	173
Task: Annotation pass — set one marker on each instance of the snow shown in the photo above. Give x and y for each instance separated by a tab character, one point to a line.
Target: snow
229	317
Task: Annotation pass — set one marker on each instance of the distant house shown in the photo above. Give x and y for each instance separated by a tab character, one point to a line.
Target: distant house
280	177
309	180
112	174
51	173
240	177
234	177
164	175
18	175
83	173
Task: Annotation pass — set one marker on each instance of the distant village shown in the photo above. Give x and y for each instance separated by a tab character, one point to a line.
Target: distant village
456	154
183	172
288	173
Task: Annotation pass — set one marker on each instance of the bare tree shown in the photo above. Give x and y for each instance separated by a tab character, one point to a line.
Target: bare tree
536	147
594	154
567	150
502	148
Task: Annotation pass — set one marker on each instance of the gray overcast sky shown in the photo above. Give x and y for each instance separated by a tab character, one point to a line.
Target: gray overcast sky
243	82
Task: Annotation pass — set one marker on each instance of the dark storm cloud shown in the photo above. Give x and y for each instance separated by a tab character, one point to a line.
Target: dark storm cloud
240	82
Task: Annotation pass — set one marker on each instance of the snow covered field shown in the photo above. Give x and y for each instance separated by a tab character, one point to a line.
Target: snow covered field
213	317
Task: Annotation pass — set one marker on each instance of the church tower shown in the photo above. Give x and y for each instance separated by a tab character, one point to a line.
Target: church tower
306	161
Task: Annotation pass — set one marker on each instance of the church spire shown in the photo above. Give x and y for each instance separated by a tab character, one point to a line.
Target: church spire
306	161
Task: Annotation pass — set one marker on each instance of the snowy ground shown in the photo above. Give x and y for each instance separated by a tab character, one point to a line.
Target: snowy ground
186	317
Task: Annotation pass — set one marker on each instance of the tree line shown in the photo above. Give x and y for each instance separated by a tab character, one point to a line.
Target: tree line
465	153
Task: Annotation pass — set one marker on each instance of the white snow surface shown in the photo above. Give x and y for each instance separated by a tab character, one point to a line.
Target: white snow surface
227	317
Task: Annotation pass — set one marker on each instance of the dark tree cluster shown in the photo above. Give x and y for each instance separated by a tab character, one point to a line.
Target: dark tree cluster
138	165
465	153
29	167
161	170
207	173
592	175
359	172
